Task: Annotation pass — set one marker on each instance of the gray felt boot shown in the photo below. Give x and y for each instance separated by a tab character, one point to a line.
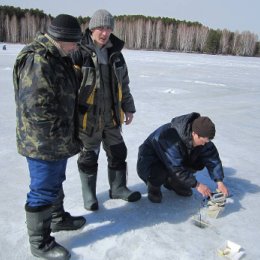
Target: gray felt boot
88	184
42	244
118	189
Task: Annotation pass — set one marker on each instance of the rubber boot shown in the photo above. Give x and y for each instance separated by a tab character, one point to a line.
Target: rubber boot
61	220
118	189
154	193
42	244
88	184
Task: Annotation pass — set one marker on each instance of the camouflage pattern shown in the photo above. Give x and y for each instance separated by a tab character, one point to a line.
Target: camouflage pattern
91	97
45	86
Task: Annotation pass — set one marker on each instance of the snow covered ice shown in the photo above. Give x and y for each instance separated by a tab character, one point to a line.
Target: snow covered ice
164	85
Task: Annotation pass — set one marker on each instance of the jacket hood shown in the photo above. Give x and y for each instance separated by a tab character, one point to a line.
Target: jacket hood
183	126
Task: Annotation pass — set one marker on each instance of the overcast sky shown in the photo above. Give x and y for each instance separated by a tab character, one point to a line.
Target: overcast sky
234	15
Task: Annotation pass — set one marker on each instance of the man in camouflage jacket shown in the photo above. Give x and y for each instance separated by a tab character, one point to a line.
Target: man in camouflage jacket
46	88
104	101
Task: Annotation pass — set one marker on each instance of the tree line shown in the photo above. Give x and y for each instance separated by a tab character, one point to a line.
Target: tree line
139	32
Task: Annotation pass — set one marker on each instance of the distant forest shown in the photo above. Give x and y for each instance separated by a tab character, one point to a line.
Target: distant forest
139	32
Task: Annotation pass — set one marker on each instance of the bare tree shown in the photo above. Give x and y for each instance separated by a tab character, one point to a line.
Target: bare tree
119	29
169	37
149	34
7	28
185	36
139	25
225	41
201	34
159	32
235	43
14	29
247	43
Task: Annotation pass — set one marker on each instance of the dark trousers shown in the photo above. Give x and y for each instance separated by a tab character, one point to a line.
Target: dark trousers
111	139
156	173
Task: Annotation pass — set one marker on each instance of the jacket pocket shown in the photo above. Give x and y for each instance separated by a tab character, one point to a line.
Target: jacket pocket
87	84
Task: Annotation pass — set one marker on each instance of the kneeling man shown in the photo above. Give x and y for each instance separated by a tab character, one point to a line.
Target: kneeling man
174	152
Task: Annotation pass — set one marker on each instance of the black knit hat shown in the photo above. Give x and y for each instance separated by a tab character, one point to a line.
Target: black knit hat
204	127
65	28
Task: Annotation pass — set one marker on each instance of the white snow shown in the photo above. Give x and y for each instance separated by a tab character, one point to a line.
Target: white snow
164	85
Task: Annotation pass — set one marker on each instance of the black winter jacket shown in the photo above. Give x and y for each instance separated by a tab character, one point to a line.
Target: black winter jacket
171	144
90	99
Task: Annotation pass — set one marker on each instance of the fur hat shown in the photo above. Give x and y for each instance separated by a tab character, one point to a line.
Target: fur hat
101	18
65	28
204	127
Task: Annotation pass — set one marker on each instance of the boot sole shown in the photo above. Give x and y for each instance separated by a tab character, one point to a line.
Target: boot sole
44	255
155	200
135	196
60	228
66	229
93	207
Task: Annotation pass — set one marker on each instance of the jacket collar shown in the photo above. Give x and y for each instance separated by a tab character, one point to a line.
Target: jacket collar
61	51
48	45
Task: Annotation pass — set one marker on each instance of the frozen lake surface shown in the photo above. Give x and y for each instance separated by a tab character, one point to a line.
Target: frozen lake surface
164	85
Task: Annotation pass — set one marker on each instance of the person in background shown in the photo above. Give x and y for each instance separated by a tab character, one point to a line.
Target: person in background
173	153
46	88
104	102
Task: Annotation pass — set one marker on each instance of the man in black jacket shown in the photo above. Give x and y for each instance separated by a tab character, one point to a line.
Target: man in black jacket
174	152
105	101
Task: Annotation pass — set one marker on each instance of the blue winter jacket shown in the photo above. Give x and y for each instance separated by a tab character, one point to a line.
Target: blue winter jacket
171	144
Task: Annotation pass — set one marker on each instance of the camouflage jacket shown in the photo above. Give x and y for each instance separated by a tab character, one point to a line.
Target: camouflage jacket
45	88
90	98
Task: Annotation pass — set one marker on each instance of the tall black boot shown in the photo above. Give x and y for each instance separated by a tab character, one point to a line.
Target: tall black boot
88	184
61	220
42	244
118	189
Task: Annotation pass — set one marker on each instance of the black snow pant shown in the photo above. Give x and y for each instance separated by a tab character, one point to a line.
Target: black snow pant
113	144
